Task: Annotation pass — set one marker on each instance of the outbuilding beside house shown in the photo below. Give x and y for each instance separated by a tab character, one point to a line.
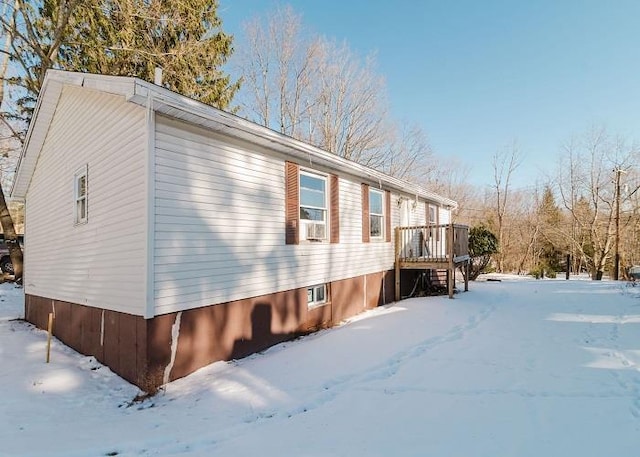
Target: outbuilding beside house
166	234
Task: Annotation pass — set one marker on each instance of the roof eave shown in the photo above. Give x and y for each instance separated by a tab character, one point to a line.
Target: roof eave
240	128
141	92
50	91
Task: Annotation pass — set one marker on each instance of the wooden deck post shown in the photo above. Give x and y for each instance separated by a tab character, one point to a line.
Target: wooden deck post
451	276
397	263
467	270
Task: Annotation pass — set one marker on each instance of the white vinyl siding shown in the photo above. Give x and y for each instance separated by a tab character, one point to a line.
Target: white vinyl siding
100	263
444	216
350	212
414	209
220	226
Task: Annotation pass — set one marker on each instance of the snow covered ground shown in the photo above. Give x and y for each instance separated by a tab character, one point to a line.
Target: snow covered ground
511	368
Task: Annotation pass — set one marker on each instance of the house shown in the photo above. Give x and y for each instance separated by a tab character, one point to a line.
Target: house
165	234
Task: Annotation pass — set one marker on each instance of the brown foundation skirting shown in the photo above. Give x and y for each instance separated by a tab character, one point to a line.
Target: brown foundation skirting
140	350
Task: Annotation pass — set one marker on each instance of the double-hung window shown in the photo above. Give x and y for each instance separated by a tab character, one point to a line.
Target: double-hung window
313	206
80	183
433	215
433	221
376	214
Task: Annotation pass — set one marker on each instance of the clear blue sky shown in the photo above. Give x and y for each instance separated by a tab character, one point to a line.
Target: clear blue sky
477	75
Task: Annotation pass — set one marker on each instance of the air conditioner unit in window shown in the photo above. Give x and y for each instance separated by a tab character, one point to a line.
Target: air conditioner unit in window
316	231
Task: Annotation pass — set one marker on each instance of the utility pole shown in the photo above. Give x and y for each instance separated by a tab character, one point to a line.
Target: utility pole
616	266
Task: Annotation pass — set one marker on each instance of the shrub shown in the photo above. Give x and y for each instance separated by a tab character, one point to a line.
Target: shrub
482	244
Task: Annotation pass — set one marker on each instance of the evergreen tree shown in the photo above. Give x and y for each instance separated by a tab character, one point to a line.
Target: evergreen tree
133	37
116	37
483	243
550	246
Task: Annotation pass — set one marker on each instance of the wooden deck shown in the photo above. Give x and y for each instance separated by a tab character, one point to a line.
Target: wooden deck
432	247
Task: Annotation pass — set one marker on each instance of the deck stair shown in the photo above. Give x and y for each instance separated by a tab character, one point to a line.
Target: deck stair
432	247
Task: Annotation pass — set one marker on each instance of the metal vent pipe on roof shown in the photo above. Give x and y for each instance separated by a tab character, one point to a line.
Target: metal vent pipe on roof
157	76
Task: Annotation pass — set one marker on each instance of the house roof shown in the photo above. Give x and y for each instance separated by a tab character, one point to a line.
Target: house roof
191	111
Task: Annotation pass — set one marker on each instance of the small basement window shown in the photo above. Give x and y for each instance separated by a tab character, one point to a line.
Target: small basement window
80	186
316	295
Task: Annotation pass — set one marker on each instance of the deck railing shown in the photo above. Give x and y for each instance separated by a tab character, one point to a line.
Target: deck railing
432	243
440	247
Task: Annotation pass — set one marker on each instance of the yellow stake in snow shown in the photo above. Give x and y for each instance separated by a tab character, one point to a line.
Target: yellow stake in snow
49	332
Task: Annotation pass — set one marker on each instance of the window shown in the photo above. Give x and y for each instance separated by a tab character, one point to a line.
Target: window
433	215
313	206
376	213
433	221
80	196
316	295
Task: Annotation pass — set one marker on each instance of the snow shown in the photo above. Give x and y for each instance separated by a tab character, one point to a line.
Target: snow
511	368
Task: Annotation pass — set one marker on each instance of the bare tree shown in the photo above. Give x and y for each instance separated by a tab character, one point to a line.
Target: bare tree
408	154
504	164
32	44
278	64
523	228
316	90
587	185
10	140
630	220
450	177
350	107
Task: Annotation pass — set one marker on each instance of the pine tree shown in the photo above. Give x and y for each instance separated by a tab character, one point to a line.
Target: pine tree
133	37
550	245
116	37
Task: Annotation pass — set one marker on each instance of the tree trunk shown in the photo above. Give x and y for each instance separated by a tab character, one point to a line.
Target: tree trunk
10	237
